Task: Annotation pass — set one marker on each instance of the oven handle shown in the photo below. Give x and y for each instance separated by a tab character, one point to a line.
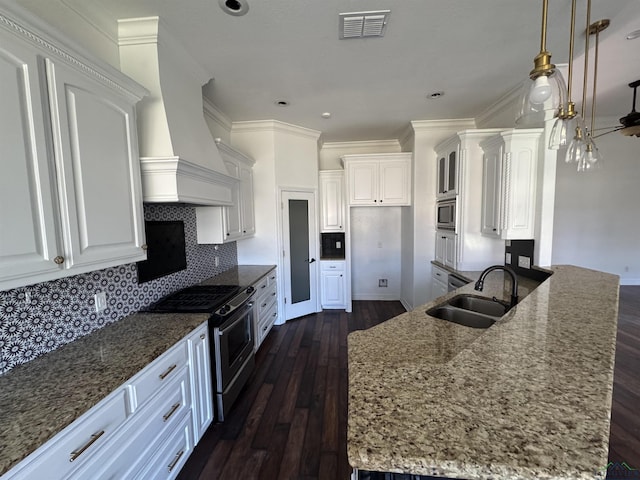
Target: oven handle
240	318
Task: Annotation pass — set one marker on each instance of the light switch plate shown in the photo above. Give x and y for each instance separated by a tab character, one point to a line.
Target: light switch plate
524	262
101	301
507	258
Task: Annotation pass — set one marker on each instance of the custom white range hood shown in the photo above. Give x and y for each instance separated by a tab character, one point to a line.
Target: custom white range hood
179	159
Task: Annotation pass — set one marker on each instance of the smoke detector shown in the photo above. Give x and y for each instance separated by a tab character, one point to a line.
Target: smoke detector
364	24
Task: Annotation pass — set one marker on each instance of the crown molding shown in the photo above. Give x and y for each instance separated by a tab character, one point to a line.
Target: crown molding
32	30
507	101
210	109
419	126
373	144
274	126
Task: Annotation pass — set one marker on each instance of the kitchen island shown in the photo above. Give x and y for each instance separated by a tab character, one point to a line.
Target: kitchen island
527	398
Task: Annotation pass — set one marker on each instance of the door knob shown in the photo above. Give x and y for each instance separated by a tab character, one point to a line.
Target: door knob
312	260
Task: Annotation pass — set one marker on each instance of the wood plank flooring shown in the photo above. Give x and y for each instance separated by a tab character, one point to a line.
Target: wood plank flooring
291	420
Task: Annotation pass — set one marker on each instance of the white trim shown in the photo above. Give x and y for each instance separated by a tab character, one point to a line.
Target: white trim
375	296
42	37
213	112
421	126
372	144
274	126
508	100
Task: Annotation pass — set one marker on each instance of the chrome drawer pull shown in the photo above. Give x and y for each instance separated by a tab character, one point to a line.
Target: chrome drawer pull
167	415
76	453
176	460
167	371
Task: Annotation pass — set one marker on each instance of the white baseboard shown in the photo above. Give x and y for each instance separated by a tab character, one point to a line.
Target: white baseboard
375	296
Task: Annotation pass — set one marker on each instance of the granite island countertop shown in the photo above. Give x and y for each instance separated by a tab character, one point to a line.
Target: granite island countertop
40	398
528	398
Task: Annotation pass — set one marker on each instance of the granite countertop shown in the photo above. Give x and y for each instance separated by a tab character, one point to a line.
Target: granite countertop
528	398
243	275
40	398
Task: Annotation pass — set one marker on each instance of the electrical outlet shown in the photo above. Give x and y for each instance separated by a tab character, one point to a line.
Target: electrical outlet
524	262
101	301
382	282
216	261
507	258
338	244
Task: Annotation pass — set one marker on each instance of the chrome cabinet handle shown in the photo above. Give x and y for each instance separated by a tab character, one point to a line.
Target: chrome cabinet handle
59	260
203	336
167	415
164	374
144	247
76	453
176	460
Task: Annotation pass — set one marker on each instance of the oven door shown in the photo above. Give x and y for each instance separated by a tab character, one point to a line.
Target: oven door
233	345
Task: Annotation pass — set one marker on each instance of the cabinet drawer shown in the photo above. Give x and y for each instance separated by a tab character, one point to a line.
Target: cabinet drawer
439	274
332	266
266	322
137	442
166	367
77	443
168	462
266	300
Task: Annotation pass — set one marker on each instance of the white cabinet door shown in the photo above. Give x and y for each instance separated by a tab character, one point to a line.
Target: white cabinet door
491	190
378	179
450	250
395	183
363	183
201	386
332	201
441	245
448	163
28	242
333	284
98	170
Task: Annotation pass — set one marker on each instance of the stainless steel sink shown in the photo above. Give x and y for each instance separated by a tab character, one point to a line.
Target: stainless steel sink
477	304
461	316
470	311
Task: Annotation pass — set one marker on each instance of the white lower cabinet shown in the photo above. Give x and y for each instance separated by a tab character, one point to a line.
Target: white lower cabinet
146	428
333	284
265	311
439	281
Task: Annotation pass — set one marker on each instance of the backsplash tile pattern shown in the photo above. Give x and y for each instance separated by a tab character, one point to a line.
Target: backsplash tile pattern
40	318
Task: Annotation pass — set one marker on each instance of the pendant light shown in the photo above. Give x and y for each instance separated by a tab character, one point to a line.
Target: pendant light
578	142
564	126
591	159
545	91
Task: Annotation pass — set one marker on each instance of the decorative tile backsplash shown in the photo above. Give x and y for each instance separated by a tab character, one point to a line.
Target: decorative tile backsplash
40	318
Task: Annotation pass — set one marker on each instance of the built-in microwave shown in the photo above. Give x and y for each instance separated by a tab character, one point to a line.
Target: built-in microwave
446	214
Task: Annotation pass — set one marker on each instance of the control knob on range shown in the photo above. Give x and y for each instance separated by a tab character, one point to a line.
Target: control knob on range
224	309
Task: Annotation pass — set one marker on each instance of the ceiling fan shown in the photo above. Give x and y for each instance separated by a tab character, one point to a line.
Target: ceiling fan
630	123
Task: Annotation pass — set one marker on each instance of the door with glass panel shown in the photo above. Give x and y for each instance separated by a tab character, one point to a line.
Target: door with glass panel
299	238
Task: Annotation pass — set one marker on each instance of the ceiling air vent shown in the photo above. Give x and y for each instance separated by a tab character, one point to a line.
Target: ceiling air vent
363	24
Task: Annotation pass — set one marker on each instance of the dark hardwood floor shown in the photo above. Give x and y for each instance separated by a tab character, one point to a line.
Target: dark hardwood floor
291	420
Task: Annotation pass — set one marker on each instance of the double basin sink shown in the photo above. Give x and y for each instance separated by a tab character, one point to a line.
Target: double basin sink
470	311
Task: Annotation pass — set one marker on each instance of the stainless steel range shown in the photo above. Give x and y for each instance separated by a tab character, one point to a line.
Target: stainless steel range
230	331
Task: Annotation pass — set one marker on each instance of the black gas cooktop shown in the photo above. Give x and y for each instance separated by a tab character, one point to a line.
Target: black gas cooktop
196	299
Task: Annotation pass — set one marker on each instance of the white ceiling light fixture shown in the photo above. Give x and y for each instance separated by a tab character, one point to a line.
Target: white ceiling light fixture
364	24
435	95
237	8
281	103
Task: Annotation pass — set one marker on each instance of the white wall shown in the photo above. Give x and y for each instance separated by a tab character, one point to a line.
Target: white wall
597	219
375	252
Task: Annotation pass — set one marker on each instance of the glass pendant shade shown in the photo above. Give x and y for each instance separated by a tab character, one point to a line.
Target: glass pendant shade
562	132
540	98
578	143
590	160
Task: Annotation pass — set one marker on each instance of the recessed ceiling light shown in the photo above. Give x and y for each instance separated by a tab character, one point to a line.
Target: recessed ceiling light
435	95
282	103
234	7
633	35
326	115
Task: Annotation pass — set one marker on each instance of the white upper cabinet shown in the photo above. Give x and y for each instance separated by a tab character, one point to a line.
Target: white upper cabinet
448	169
510	184
332	200
237	221
378	179
71	190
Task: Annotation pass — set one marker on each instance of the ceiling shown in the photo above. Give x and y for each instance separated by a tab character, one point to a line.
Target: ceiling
473	51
